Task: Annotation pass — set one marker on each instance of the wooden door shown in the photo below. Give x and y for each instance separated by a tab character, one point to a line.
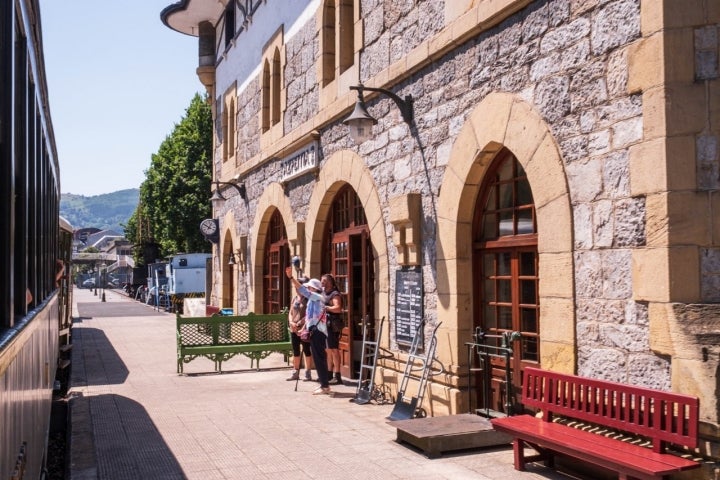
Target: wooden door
505	264
341	269
510	304
276	286
348	257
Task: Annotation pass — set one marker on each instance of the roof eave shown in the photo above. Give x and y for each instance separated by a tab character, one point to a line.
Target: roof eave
185	15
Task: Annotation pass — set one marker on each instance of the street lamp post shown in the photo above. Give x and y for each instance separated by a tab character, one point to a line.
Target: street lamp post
103	277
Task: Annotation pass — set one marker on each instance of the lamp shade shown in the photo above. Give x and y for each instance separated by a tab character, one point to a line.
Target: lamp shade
360	123
217	199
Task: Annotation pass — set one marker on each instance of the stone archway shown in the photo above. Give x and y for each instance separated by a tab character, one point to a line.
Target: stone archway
272	198
504	120
227	294
346	167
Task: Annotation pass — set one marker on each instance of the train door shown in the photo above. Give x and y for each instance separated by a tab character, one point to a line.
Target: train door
349	259
505	260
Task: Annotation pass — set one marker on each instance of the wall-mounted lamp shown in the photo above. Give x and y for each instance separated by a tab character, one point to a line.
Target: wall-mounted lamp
217	198
360	122
235	258
238	256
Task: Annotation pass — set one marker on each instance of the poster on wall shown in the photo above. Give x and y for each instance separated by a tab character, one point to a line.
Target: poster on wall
408	304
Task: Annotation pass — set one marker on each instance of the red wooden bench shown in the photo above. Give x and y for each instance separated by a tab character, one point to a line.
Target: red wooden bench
659	417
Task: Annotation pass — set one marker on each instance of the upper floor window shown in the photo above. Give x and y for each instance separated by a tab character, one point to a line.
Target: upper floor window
229	23
228	125
337	38
346	28
275	88
272	91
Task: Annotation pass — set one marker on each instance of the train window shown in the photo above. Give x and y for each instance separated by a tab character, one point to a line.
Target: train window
29	175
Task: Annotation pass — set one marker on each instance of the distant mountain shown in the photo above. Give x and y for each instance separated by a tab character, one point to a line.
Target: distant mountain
106	211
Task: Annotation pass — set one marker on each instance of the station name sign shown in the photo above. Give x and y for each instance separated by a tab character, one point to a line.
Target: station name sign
299	162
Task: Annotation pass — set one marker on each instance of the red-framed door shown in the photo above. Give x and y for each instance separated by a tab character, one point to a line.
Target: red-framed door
352	268
348	256
506	280
276	287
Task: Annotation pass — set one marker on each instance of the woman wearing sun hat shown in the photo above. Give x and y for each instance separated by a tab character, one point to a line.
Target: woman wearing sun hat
315	323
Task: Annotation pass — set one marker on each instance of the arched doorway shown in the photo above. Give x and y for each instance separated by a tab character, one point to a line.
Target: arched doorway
276	287
348	255
229	289
505	270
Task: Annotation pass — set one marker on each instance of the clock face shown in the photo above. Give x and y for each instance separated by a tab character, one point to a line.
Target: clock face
208	227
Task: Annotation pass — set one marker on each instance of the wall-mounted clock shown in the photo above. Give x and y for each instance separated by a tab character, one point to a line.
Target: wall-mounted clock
209	228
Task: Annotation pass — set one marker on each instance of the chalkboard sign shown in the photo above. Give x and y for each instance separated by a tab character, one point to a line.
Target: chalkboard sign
408	304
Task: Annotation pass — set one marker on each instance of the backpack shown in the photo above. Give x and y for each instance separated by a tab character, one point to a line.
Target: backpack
300	307
335	321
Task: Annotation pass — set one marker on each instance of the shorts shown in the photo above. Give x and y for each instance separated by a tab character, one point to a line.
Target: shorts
298	345
333	339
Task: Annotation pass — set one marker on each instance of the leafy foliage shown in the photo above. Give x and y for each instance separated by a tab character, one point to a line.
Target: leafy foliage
174	198
108	211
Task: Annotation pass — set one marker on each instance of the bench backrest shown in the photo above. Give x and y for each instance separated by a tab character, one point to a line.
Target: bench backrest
219	330
660	416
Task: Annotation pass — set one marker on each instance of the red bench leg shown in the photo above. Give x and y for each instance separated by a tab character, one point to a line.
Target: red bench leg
519	453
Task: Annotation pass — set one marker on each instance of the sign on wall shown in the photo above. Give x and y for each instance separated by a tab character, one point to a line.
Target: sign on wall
408	304
299	162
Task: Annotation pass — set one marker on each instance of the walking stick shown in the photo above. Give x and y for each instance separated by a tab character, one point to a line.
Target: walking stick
296	263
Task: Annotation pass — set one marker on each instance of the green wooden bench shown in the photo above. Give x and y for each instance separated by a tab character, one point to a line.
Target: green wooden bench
220	338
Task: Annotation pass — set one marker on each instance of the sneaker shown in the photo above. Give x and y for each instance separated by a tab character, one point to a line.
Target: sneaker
322	391
308	377
334	381
294	376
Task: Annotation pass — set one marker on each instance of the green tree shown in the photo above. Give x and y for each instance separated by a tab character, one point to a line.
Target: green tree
174	198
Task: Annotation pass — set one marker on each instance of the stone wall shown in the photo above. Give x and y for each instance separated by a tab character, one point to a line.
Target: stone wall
301	82
570	60
707	147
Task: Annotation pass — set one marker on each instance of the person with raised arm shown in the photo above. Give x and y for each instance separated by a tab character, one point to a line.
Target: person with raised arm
315	324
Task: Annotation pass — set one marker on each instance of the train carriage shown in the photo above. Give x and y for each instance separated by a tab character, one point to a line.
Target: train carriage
35	246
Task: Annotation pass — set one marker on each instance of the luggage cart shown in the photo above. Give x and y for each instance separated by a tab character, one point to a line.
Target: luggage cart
485	353
404	408
366	388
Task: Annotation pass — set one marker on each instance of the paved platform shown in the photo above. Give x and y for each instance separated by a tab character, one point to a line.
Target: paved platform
133	417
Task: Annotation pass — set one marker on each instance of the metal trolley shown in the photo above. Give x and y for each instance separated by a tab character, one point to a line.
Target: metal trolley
408	408
367	390
485	353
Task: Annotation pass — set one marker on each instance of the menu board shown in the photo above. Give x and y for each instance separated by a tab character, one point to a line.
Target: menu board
408	304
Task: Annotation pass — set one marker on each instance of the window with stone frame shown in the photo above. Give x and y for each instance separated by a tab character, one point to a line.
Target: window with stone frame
272	91
337	39
229	18
229	124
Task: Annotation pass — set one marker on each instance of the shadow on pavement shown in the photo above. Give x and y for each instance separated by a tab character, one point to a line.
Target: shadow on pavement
96	350
114	437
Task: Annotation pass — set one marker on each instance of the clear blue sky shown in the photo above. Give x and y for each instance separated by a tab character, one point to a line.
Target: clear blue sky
119	81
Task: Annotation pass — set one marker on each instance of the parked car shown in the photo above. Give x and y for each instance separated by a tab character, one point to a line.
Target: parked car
89	283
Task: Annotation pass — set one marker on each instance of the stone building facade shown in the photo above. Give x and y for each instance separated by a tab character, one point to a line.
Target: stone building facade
574	143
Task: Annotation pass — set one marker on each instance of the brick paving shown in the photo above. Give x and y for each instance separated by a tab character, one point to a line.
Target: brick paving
133	417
